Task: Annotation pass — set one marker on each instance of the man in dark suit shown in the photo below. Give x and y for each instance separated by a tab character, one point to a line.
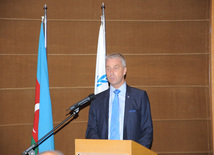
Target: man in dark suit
134	121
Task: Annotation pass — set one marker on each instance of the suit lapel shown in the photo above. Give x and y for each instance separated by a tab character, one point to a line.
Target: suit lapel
106	111
127	107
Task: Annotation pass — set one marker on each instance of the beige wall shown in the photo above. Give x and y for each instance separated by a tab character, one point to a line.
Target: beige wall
167	47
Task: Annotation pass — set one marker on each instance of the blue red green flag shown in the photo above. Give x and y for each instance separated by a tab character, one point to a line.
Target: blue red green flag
43	120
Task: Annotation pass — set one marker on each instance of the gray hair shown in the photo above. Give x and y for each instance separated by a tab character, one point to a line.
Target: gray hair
115	56
53	152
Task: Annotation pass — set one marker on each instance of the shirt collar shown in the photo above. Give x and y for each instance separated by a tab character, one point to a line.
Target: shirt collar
122	89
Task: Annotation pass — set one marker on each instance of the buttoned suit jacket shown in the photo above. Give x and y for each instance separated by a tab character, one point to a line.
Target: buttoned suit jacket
137	118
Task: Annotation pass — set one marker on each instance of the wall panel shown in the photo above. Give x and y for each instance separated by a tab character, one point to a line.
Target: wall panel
169	70
15	138
179	103
116	10
16	106
167	47
182	136
128	37
157	37
18	71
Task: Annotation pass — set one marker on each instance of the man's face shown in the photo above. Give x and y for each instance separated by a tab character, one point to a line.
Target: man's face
115	72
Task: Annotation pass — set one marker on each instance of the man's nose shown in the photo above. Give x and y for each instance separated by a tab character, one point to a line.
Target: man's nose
111	71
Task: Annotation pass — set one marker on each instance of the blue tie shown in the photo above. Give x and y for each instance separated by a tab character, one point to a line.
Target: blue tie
115	124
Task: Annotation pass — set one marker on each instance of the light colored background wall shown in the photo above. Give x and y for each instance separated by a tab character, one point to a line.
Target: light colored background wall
167	47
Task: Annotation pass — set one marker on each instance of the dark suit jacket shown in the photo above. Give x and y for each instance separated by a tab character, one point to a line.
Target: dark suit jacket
137	119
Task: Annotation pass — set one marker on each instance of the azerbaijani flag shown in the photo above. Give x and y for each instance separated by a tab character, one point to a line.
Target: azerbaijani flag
43	120
101	82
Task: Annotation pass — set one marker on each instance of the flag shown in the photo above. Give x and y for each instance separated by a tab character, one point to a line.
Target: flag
101	82
43	121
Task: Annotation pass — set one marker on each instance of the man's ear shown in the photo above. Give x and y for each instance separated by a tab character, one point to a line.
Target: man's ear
125	71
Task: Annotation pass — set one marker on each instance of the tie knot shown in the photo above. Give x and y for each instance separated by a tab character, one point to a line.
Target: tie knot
116	91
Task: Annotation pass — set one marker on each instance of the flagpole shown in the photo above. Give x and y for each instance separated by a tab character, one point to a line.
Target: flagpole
101	82
45	22
103	20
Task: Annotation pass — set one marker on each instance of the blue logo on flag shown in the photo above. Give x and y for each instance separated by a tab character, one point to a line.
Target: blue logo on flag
101	80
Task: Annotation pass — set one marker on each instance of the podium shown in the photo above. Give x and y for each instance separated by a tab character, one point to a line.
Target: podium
110	147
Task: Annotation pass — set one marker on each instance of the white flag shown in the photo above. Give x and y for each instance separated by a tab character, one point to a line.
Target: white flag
101	82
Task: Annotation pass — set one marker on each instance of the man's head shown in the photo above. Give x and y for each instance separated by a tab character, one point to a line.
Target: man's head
116	69
54	152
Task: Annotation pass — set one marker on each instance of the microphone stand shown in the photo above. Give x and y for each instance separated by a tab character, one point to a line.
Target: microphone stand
30	150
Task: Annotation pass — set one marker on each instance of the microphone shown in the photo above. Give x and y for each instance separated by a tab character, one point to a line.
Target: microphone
85	100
